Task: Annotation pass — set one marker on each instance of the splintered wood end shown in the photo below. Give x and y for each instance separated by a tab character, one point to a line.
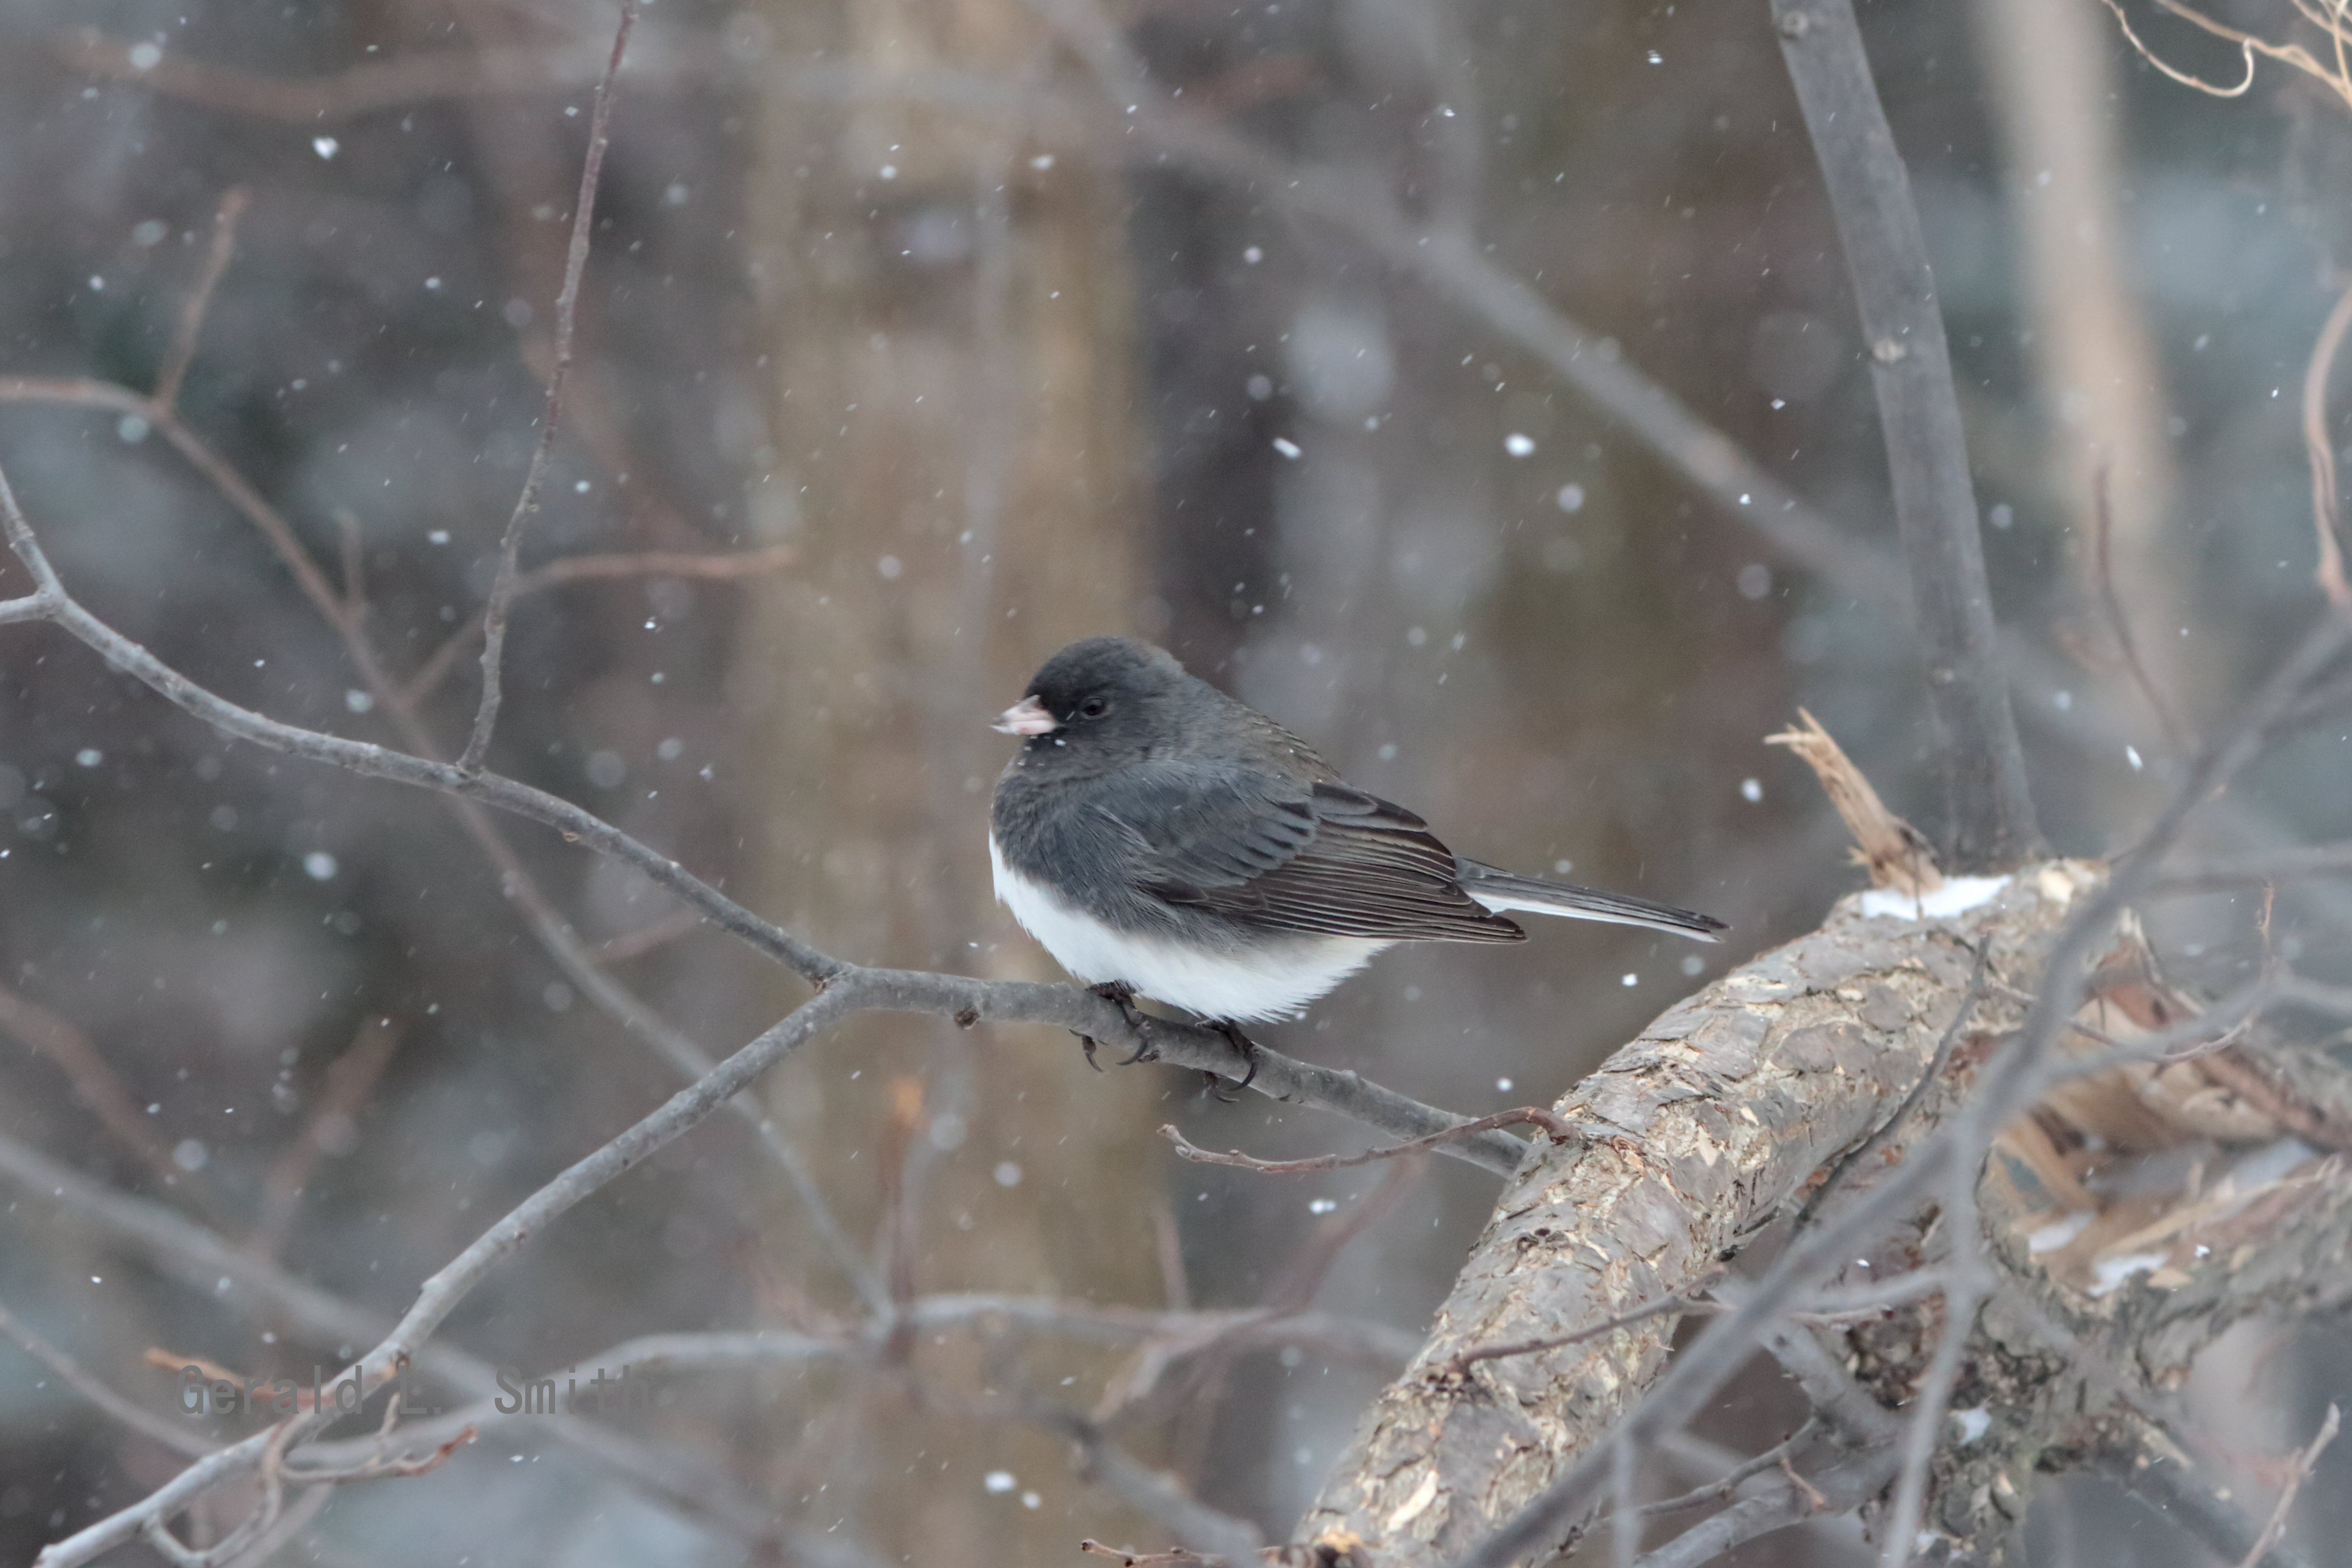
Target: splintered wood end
1896	854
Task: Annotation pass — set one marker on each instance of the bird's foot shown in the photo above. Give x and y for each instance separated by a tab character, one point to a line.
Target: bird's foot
1243	1045
1119	993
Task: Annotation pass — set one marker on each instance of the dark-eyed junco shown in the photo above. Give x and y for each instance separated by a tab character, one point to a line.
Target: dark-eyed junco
1162	838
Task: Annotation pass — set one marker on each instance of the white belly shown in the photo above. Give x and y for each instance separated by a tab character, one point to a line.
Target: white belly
1275	981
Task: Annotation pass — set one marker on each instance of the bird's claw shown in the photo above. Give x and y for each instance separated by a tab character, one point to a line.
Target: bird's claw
1245	1046
1121	995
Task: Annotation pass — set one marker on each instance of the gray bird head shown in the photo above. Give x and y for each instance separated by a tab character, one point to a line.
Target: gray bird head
1107	699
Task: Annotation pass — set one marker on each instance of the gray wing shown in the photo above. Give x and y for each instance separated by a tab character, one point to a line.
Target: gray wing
1275	852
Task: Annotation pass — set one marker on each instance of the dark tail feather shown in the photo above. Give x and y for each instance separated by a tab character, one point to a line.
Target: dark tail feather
1501	891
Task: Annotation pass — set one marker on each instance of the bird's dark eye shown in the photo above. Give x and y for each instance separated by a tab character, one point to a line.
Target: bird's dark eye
1094	707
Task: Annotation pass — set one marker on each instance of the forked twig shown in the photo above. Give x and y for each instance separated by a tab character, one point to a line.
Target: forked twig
567	310
2246	44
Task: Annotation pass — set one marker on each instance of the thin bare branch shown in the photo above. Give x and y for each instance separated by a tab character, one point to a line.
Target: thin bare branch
355	543
554	933
2118	620
349	1078
647	938
172	1435
1692	1302
1842	1482
2150	1468
1128	1557
183	351
2298	1473
2326	506
594	568
2255	870
567	311
1869	1149
2213	88
97	1088
1967	1286
1526	1115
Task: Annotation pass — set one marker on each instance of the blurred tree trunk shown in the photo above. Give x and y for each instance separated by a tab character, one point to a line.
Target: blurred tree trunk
2057	107
948	321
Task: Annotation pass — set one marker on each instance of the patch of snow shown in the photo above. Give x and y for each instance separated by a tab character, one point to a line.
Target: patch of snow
1958	895
2113	1271
2058	1233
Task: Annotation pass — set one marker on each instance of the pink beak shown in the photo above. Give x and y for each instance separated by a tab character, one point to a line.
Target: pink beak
1026	717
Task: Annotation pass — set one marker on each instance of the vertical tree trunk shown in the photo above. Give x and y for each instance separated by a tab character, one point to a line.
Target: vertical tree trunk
2055	104
948	320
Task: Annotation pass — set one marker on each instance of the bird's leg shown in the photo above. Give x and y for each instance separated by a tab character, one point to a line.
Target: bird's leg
1241	1043
1122	996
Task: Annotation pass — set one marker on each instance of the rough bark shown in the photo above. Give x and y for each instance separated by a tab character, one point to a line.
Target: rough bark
1699	1131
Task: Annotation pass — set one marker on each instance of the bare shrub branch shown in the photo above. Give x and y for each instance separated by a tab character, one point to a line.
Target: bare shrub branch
567	312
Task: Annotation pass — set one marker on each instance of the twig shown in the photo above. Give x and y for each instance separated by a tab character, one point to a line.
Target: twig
2153	1471
567	310
1155	1494
1854	1161
553	933
1846	1483
347	530
190	1250
2119	621
156	1531
384	1464
172	1435
1131	1558
1307	1270
441	1294
1168	1239
2255	870
97	1088
2326	508
2298	1473
1993	823
182	350
592	568
646	938
1689	1301
2183	78
1561	1132
1723	1486
1967	1283
349	1078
